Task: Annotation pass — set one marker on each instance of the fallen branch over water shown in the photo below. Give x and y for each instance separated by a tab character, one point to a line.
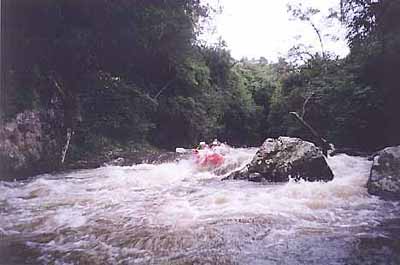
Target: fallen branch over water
321	142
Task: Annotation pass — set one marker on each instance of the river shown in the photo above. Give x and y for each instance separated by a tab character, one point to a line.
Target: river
176	213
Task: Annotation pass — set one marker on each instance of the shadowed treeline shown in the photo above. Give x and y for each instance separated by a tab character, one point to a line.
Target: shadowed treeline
127	73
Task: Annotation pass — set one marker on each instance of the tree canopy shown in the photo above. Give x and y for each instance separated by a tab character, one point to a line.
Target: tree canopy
133	71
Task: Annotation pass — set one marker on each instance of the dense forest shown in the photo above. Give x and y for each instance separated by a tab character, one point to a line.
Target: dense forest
135	73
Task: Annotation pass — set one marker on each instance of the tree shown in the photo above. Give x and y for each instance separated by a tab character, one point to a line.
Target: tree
306	15
55	48
374	38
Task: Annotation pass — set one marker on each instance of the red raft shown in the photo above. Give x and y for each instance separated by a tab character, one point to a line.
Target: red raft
209	159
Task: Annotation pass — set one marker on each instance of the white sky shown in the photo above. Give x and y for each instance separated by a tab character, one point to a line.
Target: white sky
255	28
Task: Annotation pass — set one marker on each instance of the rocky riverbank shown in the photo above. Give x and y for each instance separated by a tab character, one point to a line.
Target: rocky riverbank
31	144
28	146
124	158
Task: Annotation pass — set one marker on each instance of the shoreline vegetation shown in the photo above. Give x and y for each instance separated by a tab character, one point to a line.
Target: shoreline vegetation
113	83
134	75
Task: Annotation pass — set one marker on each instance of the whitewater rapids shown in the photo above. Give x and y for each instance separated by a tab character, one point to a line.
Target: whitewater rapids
175	213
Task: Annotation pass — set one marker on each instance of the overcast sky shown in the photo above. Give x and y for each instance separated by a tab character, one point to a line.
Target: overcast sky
255	28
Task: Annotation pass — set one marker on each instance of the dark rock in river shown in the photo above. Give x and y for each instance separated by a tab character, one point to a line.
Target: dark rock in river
151	157
27	146
277	160
384	179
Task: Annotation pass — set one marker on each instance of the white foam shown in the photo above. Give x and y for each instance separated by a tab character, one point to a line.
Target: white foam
115	200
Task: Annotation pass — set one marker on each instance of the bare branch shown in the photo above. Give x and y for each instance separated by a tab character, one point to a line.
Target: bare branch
233	64
305	104
163	88
317	31
321	142
57	85
141	94
70	132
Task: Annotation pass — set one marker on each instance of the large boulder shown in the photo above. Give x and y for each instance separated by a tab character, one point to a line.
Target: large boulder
384	179
280	159
27	146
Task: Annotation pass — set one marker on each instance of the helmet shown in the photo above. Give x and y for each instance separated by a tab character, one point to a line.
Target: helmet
202	145
215	142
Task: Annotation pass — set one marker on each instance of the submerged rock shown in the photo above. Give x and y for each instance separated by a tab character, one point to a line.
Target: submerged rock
384	179
277	160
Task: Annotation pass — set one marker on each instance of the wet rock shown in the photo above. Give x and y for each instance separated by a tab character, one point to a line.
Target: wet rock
120	161
384	179
277	160
26	147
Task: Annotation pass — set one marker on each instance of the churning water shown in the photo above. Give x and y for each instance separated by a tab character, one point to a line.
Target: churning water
175	213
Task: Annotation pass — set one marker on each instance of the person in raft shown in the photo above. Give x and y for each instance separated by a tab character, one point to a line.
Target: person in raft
203	146
207	156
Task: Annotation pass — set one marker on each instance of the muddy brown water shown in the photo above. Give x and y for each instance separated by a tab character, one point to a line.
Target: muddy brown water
176	213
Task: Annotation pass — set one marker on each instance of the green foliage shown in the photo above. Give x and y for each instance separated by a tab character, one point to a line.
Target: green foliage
374	38
115	109
338	107
130	72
